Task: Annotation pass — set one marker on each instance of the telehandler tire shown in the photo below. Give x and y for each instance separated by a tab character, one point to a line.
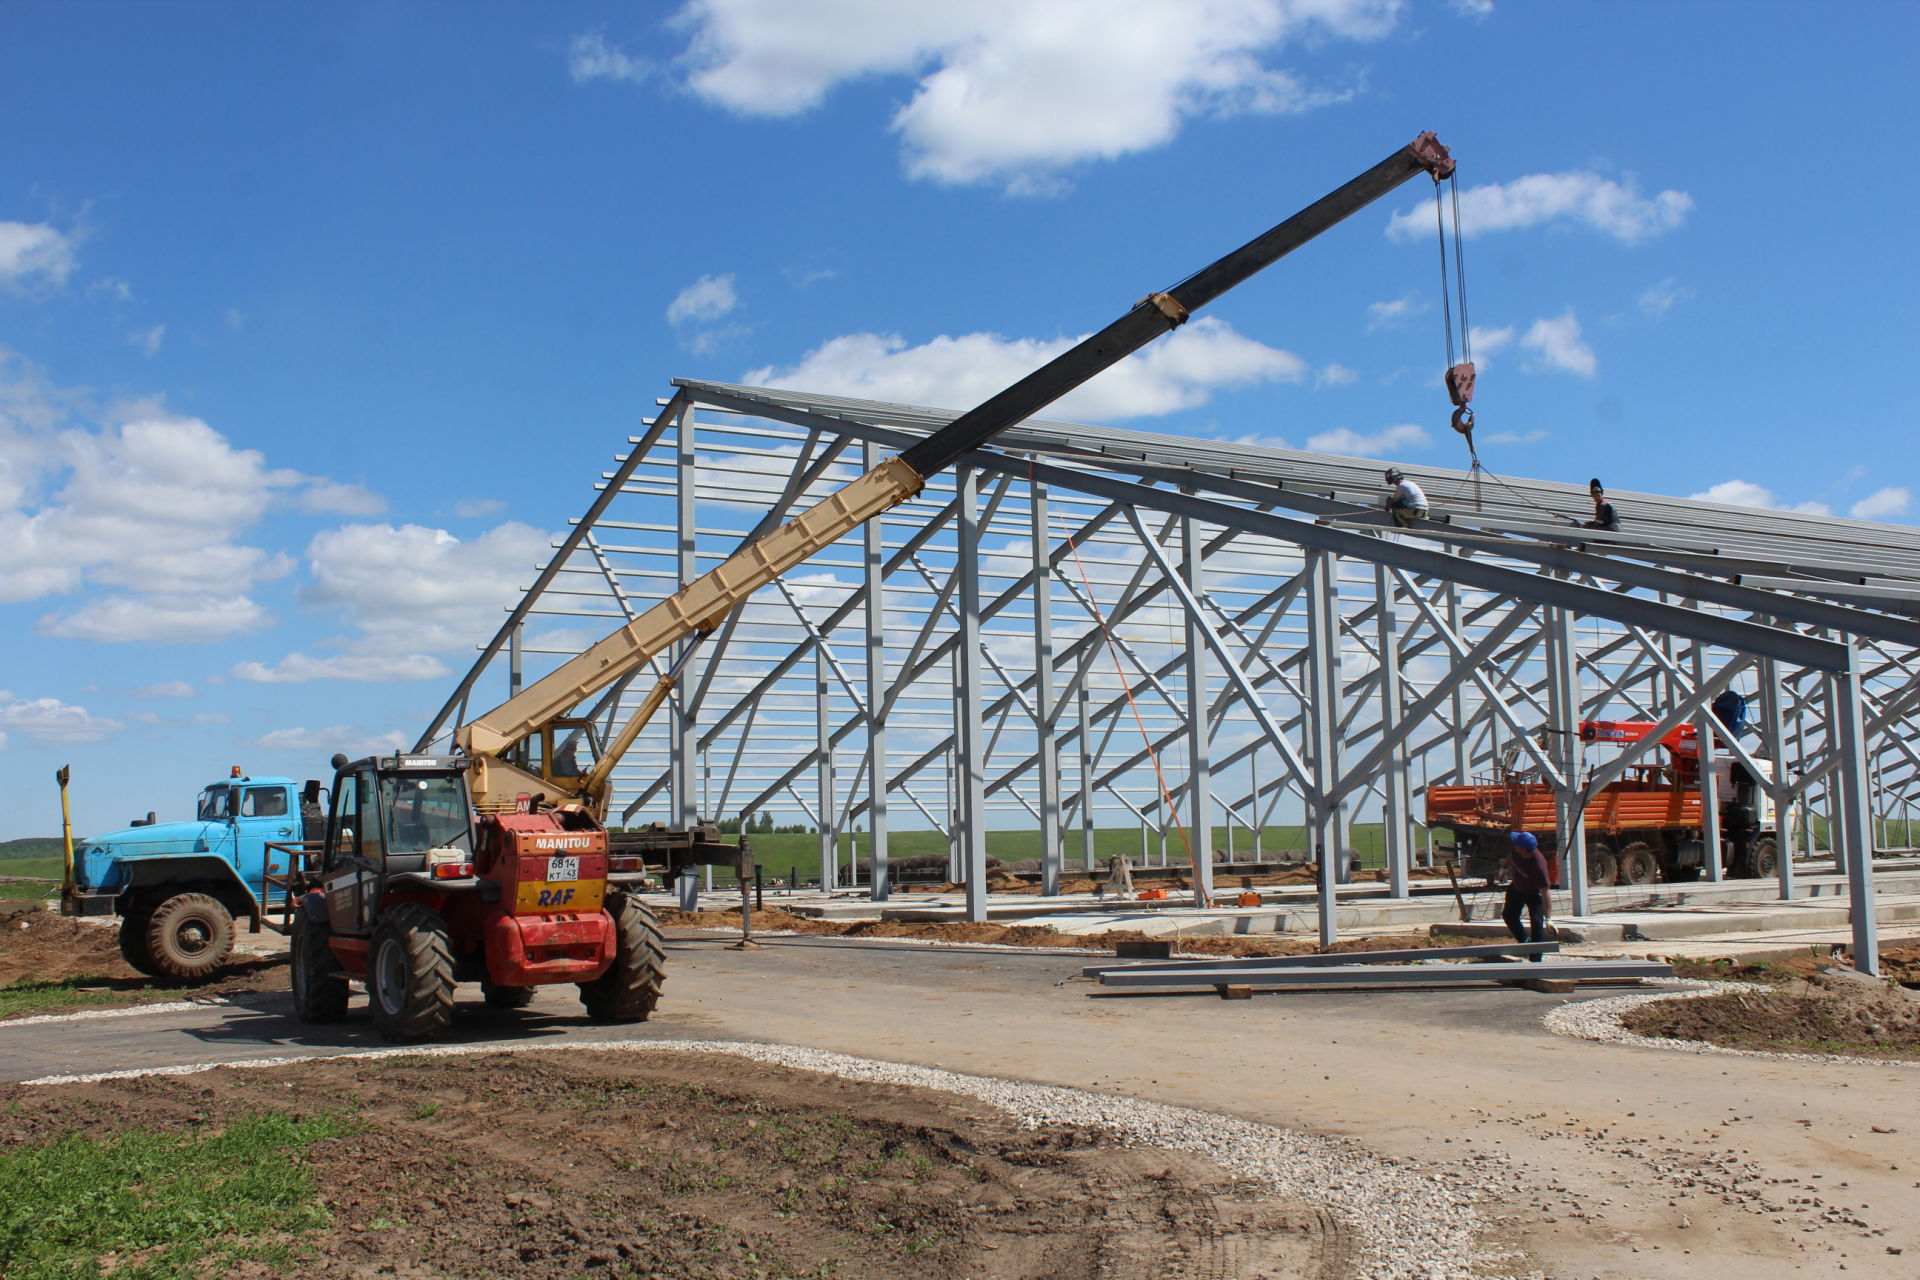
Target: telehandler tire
133	942
630	988
319	995
410	975
189	936
499	997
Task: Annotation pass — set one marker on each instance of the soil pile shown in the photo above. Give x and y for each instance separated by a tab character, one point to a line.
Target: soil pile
1899	961
38	945
554	1166
41	948
1831	1013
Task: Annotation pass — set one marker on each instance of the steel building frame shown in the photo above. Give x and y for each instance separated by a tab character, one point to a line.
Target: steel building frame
1081	623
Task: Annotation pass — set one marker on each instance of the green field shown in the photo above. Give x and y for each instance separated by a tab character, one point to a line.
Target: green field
34	847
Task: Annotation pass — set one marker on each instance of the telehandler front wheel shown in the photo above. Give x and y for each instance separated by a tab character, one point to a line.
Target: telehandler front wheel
410	975
189	936
319	993
630	988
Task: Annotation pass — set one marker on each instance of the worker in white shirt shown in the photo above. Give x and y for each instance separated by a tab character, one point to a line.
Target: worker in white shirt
1409	502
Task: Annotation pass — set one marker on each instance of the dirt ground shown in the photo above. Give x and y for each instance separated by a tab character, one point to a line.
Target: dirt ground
1898	961
773	920
554	1166
1826	1013
39	947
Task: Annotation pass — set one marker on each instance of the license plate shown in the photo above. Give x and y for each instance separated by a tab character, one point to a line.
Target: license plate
563	868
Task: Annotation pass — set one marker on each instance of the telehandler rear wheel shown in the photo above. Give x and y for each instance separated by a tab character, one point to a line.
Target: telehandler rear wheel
1603	866
630	988
318	994
410	975
189	936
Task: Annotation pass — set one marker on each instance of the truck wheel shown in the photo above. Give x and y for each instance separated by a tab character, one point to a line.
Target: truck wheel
499	997
1763	858
410	975
318	995
133	942
189	936
1603	868
1637	865
630	988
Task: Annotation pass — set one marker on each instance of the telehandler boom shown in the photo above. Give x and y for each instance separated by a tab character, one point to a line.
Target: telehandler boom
528	746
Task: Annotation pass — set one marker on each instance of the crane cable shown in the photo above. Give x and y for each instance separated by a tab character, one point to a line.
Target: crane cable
1460	374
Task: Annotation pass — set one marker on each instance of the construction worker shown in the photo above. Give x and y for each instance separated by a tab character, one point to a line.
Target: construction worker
1604	515
1408	502
1527	883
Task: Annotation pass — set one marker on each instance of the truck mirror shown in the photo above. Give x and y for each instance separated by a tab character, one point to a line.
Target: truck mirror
310	794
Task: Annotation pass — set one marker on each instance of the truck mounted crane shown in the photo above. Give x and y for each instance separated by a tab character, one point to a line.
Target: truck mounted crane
492	863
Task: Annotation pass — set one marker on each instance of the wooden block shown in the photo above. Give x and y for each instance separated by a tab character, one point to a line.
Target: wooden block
1235	991
1550	986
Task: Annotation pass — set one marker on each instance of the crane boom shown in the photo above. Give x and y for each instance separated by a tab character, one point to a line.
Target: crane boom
703	604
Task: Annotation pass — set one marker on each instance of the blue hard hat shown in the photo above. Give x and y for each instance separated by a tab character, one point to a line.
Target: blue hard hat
1524	840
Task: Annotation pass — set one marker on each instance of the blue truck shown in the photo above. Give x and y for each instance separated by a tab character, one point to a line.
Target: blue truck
178	887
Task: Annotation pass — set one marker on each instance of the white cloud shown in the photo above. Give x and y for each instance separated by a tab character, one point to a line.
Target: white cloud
323	495
1516	437
704	301
298	668
339	737
113	287
1178	372
1334	375
1393	439
407	593
1476	9
1741	493
1658	299
157	619
475	508
1013	91
590	57
1556	344
152	505
1882	504
1586	199
149	340
167	689
33	252
50	721
1387	315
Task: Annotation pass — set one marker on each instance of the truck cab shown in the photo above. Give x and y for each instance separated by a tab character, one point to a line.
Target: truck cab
179	886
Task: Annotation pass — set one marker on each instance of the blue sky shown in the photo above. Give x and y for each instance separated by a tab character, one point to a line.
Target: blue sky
316	321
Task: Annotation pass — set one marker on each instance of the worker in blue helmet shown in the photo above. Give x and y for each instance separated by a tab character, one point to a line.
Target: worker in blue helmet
1528	880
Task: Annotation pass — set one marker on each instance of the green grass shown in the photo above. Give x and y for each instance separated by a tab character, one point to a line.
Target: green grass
24	890
168	1206
32	847
68	993
39	868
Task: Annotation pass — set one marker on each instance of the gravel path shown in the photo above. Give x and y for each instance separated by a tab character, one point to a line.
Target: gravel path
1600	1020
1408	1221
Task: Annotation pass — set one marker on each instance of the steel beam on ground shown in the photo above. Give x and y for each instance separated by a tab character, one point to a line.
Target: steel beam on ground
1402	975
1324	959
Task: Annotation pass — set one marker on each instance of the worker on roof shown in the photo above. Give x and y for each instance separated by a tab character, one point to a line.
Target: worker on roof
1604	515
1408	501
1527	881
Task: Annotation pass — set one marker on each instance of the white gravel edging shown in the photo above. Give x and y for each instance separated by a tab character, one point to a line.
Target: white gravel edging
1600	1020
1408	1222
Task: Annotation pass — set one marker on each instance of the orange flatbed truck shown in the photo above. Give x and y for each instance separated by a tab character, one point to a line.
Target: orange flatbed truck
1640	829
